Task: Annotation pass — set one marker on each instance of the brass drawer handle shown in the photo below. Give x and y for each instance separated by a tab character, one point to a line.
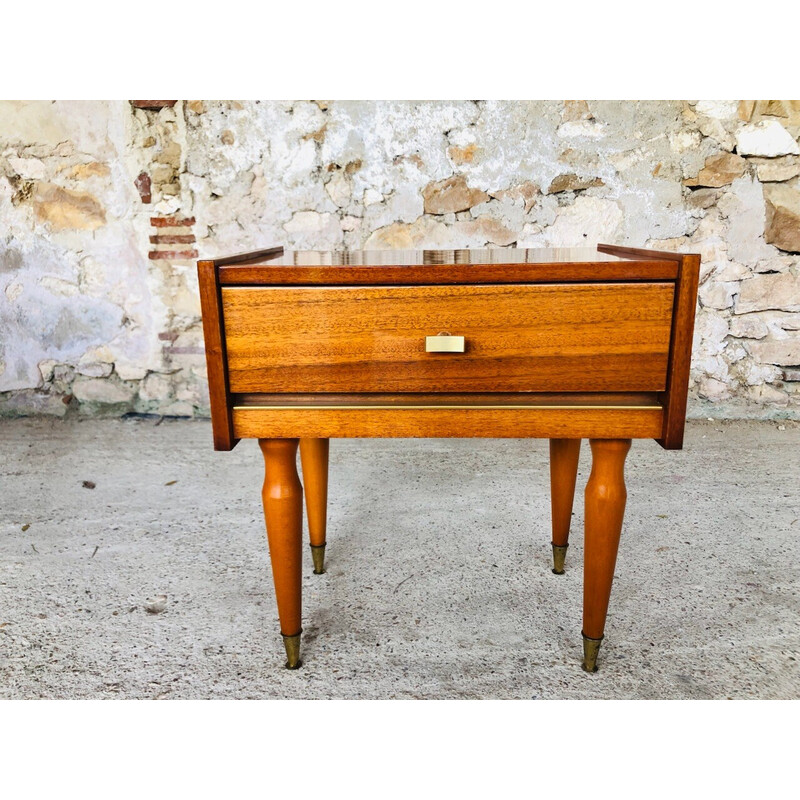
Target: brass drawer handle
444	343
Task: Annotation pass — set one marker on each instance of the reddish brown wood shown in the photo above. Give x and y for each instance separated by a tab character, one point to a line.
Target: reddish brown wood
314	460
383	399
216	360
590	337
438	422
605	509
564	454
680	356
638	252
680	359
283	511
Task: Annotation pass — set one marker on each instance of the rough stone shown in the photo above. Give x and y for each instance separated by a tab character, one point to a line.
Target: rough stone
570	182
66	209
714	129
684	140
714	390
339	189
588	128
718	295
155	387
719	170
575	110
748	327
487	229
451	195
424	232
718	109
764	394
763	292
58	286
93	169
463	155
525	192
308	226
586	221
779	169
783	217
766	138
785	352
743	205
97	390
777	108
94	369
129	371
14	290
731	271
702	198
46	369
755	374
170	154
777	264
32	169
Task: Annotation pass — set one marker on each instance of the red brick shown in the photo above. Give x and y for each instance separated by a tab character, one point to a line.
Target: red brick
171	222
173	255
167	238
142	184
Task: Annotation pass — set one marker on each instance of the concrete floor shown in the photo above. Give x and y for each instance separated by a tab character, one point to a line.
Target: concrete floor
438	582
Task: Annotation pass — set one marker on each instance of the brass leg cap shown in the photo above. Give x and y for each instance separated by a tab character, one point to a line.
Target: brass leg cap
292	645
591	647
559	554
318	555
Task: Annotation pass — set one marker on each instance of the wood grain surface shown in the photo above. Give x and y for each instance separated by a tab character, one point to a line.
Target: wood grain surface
216	361
570	337
680	354
442	422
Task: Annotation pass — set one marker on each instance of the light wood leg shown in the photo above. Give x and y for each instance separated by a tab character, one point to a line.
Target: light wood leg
605	509
283	510
314	460
564	455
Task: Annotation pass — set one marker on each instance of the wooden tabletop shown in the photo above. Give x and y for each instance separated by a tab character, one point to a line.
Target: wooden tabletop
277	266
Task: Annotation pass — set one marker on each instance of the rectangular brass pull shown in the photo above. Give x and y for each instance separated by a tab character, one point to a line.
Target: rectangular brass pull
444	343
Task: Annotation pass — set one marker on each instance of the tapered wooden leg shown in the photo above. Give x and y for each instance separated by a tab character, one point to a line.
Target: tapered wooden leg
605	508
283	511
563	473
314	459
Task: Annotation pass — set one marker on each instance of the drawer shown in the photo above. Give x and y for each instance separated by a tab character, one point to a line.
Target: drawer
601	337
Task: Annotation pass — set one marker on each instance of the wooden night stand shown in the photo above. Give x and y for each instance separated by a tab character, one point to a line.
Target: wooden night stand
306	346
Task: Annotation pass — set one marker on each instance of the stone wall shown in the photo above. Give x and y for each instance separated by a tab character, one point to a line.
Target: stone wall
105	206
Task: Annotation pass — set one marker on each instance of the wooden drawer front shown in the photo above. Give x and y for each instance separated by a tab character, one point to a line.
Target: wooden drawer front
557	337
